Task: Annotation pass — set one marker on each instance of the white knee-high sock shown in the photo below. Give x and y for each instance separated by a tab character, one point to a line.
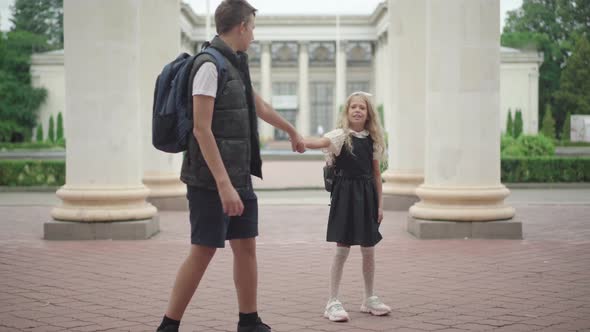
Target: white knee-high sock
336	270
368	269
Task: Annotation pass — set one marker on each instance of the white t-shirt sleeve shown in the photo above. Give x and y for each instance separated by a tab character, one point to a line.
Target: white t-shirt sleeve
337	138
205	81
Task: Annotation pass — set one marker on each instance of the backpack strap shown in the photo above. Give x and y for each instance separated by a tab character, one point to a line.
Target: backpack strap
221	65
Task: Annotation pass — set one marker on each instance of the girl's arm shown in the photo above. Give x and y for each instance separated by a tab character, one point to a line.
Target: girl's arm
379	185
316	143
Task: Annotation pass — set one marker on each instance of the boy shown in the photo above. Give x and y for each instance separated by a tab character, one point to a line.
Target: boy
222	154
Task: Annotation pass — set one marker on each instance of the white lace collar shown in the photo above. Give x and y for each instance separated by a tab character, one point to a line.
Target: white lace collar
359	134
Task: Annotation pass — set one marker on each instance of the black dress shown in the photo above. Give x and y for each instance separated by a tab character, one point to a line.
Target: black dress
354	203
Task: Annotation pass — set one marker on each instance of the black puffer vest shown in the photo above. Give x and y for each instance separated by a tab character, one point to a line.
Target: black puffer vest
234	126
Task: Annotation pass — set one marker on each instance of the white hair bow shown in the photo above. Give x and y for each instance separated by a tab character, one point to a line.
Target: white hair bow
366	94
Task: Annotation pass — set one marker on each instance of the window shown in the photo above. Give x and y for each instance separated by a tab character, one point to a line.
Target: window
284	100
285	54
254	54
322	54
284	88
357	86
359	53
322	107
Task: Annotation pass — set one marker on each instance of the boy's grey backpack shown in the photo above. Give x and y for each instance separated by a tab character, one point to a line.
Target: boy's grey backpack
172	118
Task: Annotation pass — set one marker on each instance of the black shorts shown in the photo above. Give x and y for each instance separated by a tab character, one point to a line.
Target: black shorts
210	226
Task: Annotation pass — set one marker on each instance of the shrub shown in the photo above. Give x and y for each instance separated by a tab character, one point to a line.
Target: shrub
509	124
39	135
60	126
517	124
51	131
506	141
536	146
548	127
514	150
565	133
32	172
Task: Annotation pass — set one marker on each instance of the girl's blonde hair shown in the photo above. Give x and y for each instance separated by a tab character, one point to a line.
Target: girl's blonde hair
372	124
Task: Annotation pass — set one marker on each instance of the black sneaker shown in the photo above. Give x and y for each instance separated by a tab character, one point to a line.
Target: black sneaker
169	328
258	327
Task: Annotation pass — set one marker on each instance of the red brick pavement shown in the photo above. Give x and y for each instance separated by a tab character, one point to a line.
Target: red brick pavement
539	284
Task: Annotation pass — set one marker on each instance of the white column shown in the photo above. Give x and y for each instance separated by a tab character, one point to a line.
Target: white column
462	166
533	112
303	116
208	36
340	79
266	130
378	72
103	154
386	80
160	43
405	100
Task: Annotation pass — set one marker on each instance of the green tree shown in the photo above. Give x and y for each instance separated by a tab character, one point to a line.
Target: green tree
509	124
548	127
39	135
60	126
19	104
51	130
565	133
549	26
19	101
573	95
534	27
41	17
575	16
16	48
517	123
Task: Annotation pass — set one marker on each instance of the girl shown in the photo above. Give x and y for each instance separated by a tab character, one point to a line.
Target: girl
355	148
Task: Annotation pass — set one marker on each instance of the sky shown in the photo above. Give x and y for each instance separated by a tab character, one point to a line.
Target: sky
268	7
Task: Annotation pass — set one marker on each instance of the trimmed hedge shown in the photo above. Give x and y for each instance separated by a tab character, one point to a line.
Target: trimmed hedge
32	172
545	169
32	145
577	144
536	169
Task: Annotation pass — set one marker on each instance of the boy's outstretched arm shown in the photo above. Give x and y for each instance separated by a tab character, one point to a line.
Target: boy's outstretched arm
269	115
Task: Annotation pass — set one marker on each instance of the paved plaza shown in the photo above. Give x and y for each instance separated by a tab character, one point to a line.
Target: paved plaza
541	283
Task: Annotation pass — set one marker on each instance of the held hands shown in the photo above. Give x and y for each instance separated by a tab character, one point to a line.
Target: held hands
297	143
231	201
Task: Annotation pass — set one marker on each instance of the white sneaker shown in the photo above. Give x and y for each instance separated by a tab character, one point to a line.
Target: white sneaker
374	306
335	312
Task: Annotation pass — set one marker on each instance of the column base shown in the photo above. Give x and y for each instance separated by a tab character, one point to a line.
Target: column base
103	204
178	203
399	189
438	229
398	202
402	183
484	203
120	230
167	192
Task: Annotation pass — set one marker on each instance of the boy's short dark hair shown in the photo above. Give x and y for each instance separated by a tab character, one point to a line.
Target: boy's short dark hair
230	13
